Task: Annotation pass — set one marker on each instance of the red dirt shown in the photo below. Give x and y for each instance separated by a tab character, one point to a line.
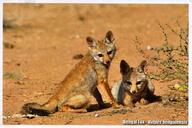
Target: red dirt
48	36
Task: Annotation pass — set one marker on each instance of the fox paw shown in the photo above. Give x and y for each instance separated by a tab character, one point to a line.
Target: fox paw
115	105
104	105
144	102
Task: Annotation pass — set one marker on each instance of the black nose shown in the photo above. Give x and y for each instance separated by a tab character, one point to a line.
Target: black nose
133	92
108	62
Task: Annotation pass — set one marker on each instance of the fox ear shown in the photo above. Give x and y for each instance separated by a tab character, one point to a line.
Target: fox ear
124	67
142	66
91	42
109	37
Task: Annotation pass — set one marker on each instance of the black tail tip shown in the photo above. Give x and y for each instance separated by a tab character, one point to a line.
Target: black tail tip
34	109
156	98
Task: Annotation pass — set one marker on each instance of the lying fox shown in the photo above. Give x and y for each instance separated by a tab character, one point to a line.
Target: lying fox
82	82
134	86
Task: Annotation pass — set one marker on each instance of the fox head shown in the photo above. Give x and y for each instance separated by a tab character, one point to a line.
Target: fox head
102	51
134	79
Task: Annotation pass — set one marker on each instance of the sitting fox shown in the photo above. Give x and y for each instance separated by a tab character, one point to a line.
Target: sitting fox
82	82
134	86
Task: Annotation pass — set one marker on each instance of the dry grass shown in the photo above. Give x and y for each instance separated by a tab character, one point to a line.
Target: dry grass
171	61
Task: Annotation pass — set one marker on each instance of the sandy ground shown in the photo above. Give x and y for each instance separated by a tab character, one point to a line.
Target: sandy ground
46	38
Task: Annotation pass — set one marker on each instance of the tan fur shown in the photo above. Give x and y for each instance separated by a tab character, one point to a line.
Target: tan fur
135	86
81	83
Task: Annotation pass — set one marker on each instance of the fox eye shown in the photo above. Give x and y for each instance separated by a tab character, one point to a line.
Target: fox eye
138	82
128	82
100	55
109	52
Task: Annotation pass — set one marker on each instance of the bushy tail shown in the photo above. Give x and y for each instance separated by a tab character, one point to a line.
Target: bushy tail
35	109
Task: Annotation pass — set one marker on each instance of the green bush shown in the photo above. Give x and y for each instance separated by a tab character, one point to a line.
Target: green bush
171	61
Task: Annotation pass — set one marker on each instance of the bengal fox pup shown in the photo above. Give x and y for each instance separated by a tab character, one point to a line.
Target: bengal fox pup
82	82
134	86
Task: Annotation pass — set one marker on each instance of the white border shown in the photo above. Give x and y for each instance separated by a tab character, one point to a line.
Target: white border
1	63
99	1
190	66
88	126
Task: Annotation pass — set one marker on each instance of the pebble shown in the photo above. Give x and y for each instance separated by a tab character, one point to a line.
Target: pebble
77	36
96	115
149	47
30	116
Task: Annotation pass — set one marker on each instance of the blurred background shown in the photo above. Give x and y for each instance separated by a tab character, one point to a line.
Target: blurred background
40	41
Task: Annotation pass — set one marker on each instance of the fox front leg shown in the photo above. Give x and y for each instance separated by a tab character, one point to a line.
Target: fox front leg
103	85
99	99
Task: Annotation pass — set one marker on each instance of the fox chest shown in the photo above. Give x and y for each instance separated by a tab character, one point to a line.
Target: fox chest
89	78
102	73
